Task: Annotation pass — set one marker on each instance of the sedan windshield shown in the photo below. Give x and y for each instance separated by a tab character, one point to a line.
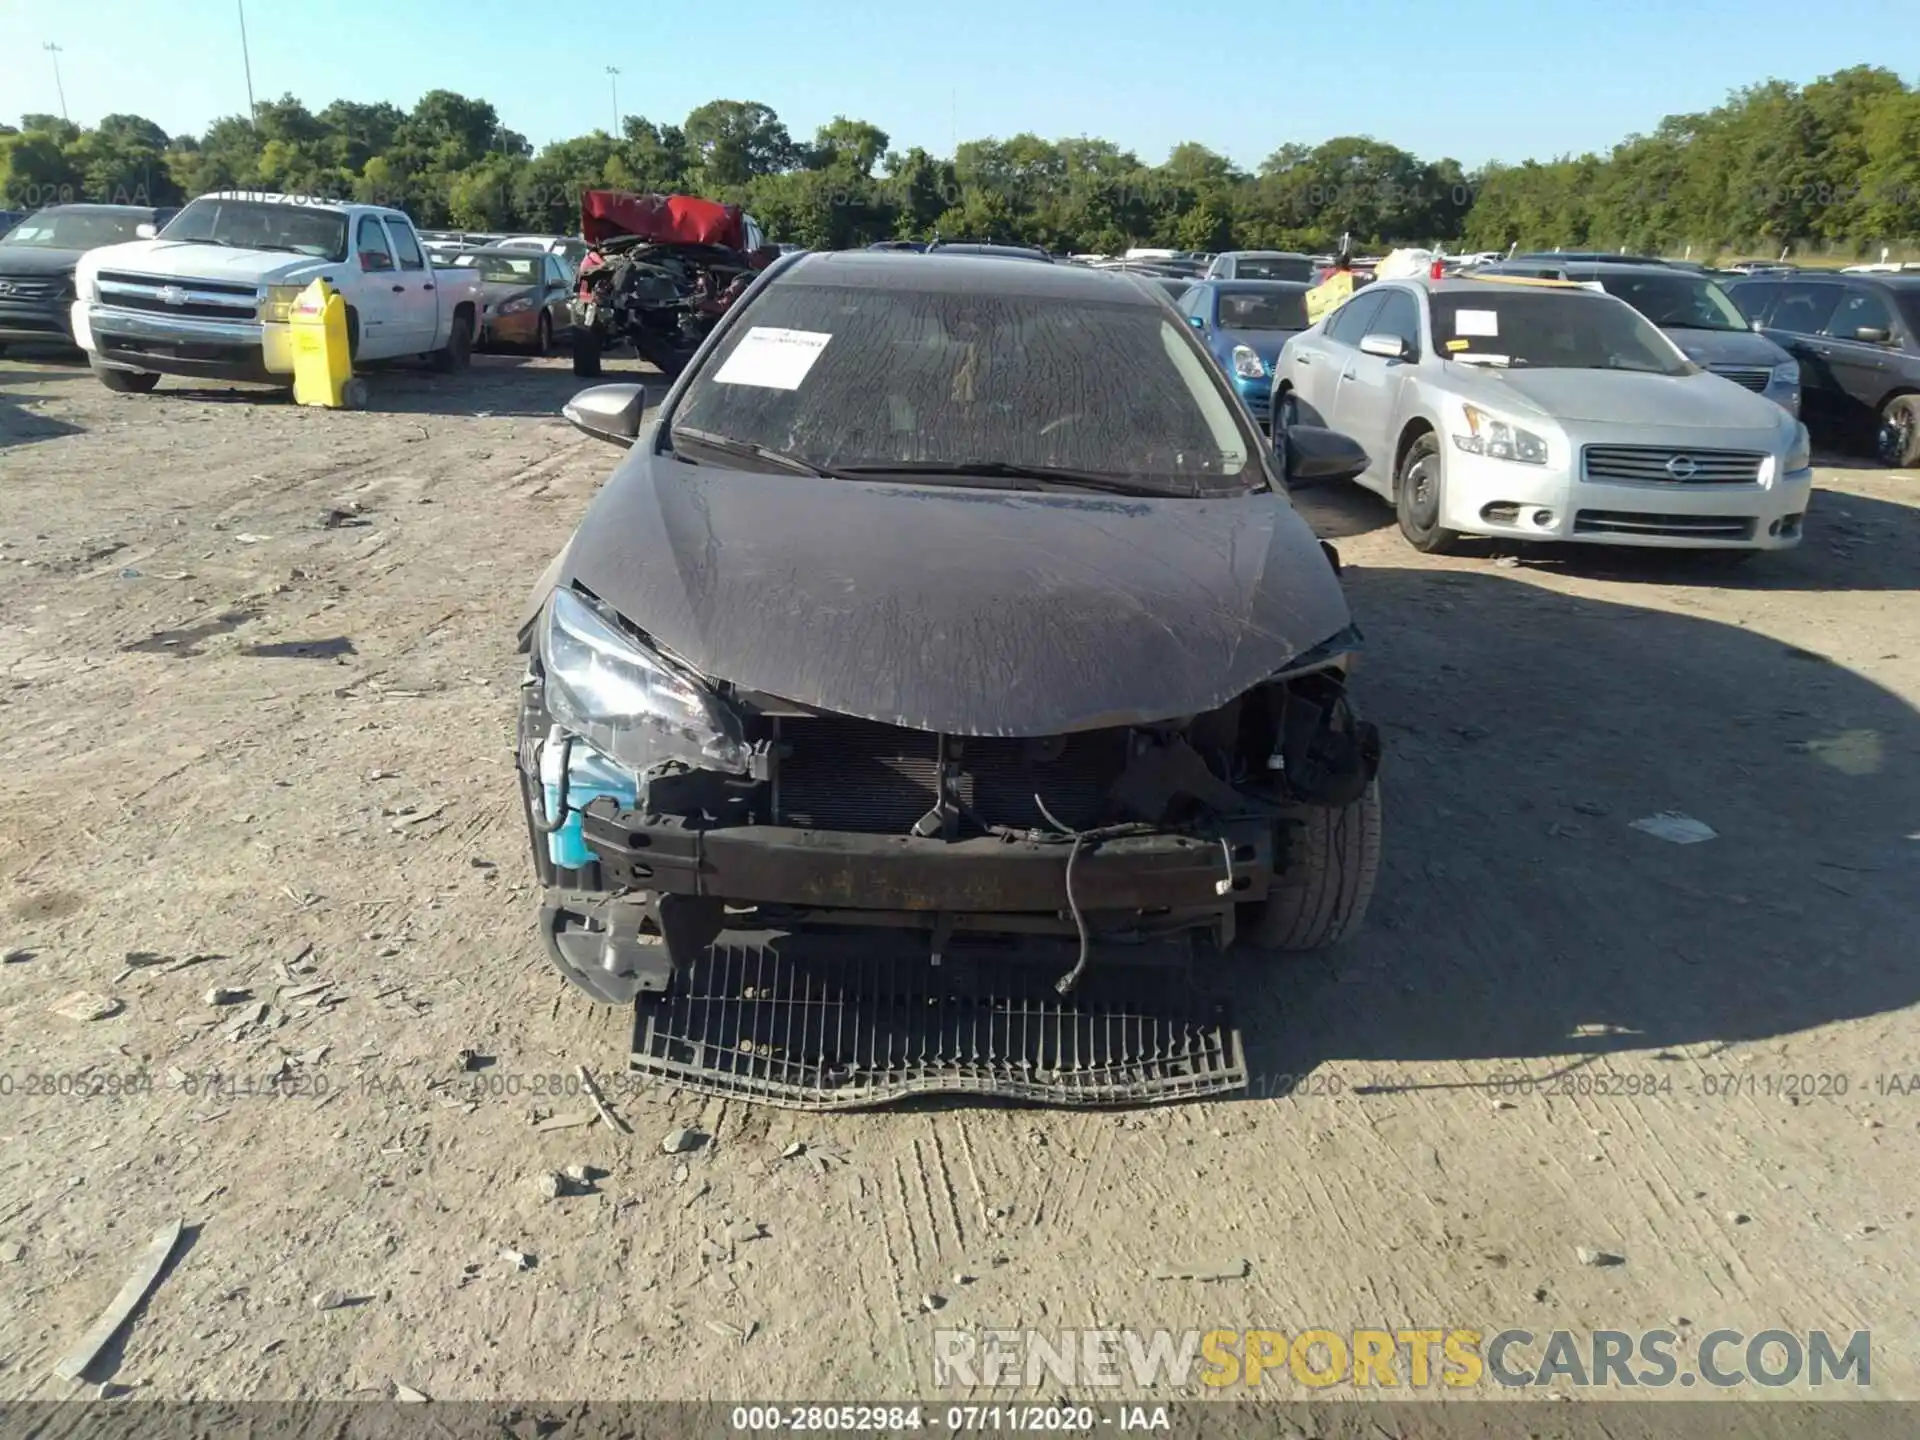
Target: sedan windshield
1551	330
1273	267
1680	302
262	225
1263	310
841	378
75	229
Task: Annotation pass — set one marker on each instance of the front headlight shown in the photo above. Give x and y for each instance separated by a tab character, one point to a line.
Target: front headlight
516	305
1800	452
1247	365
626	702
1499	439
274	309
1787	372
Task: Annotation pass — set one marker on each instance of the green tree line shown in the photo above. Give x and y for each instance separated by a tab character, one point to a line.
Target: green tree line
1834	163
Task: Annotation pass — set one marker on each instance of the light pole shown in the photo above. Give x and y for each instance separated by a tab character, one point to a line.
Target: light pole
613	81
61	90
246	60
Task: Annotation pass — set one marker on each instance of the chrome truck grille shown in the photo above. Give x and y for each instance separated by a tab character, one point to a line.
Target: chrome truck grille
197	299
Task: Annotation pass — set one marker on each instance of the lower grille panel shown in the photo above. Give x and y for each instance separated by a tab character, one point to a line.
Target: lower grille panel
824	1022
1679	527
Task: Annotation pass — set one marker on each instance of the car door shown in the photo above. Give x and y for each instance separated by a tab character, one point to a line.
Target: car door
413	318
1313	364
368	287
1861	347
1339	348
1368	398
559	289
1794	320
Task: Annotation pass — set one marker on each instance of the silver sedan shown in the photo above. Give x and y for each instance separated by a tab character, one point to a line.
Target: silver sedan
1543	410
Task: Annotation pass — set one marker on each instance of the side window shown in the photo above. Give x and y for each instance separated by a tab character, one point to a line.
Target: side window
1862	309
755	237
1399	315
370	240
1803	309
1753	299
552	267
405	246
1351	320
1194	302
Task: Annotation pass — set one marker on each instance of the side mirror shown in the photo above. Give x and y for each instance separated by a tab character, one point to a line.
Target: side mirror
145	230
1197	321
608	412
1311	455
1873	335
1387	347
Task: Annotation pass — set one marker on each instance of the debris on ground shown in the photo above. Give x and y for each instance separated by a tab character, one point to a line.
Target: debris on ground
571	1121
16	957
931	1302
84	1005
613	1121
231	995
10	1251
553	1185
798	1147
331	1299
1672	825
1738	1217
1225	1270
407	1392
1598	1258
679	1142
519	1259
75	1362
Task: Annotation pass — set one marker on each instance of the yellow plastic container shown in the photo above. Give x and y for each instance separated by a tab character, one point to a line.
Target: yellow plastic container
1328	295
322	364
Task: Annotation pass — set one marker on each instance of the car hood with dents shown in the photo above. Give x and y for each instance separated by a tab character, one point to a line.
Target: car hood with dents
1727	347
973	612
1623	397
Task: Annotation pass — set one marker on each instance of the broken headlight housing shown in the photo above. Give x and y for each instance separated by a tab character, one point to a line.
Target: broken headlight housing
1499	439
627	702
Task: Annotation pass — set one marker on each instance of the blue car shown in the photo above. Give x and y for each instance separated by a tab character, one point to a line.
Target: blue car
1244	323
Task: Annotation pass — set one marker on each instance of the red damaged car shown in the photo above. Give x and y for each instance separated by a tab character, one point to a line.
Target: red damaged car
662	271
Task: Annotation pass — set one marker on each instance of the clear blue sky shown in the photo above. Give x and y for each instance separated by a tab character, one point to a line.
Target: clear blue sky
1474	79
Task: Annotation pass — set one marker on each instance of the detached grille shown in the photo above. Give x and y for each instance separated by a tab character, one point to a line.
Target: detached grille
861	776
1652	464
200	299
1754	380
1677	527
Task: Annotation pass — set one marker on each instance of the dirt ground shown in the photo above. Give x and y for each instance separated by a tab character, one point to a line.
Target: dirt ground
256	682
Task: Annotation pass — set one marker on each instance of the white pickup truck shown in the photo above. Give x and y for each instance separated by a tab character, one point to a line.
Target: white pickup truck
209	296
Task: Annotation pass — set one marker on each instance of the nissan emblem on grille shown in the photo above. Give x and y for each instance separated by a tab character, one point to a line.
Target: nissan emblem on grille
171	295
1682	467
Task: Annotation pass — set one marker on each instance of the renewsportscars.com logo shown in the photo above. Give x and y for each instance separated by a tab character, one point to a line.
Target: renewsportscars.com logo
1400	1359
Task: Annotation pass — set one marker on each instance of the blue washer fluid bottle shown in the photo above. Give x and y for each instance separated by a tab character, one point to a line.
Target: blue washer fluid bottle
590	775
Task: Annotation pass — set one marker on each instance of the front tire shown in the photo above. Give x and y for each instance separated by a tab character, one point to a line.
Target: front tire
1416	499
1286	411
543	335
126	382
1332	863
457	354
1897	443
586	353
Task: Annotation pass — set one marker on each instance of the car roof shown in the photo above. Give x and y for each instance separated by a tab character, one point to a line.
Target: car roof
1246	287
1488	285
1614	267
981	247
90	208
904	270
1264	255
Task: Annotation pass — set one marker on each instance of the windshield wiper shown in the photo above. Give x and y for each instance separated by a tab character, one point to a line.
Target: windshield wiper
1038	477
727	445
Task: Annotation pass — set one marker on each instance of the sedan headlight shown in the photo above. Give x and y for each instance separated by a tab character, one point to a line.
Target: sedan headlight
1787	372
627	702
1800	452
1499	439
1247	365
279	303
516	305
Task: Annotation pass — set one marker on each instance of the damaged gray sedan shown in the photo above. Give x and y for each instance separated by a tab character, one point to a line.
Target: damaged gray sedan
944	595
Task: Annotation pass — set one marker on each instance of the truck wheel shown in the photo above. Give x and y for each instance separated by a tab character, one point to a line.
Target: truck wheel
457	354
126	382
586	353
1898	441
1332	857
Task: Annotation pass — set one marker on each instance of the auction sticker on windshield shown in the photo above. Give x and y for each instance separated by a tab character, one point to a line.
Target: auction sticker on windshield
773	359
1476	322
